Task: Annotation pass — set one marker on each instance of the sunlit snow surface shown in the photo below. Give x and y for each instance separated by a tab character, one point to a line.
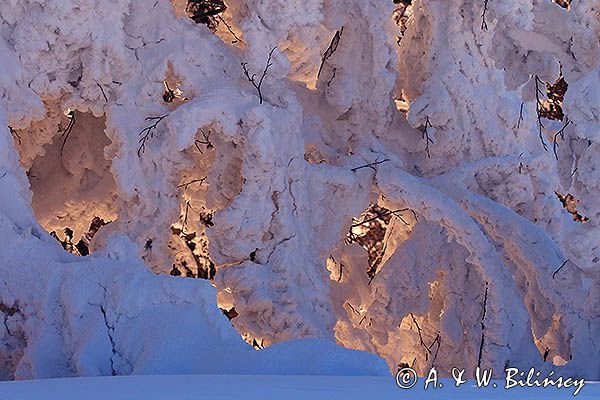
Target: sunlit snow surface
262	387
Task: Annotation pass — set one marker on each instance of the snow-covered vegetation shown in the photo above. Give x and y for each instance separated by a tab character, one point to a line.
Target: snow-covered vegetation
415	179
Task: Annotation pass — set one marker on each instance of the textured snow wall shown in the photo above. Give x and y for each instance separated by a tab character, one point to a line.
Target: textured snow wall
107	314
132	112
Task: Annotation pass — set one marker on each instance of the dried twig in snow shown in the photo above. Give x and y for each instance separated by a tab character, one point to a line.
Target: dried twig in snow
148	132
485	299
371	165
538	108
560	133
252	78
331	49
65	134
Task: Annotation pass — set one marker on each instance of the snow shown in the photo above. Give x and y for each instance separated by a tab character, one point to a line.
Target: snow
473	270
250	387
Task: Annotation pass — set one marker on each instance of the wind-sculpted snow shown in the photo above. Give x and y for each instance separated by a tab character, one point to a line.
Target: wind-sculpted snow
481	264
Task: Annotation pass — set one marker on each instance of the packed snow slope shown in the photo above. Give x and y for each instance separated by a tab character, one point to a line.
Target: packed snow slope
274	387
245	152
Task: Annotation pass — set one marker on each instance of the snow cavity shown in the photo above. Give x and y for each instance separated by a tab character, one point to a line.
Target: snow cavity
74	193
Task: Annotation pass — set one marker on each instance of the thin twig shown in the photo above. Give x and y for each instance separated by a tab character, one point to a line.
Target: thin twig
352	307
437	339
560	133
331	49
148	132
67	132
427	348
15	134
252	78
206	142
102	90
237	39
538	109
419	331
559	268
485	298
574	171
187	184
384	214
520	116
333	73
425	135
188	206
484	26
371	165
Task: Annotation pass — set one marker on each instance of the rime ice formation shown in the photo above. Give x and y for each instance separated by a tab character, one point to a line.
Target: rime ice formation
131	112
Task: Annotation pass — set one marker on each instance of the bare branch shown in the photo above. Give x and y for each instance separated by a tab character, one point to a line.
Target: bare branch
427	348
559	268
331	49
333	73
560	133
15	134
396	213
188	206
484	26
67	132
206	142
252	78
352	308
371	165
425	136
520	116
102	90
148	132
574	171
187	184
485	299
237	39
538	108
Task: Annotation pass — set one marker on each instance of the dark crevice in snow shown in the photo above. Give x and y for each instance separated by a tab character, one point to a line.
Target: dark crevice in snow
74	192
369	230
198	249
9	311
14	341
484	312
205	11
82	247
401	15
569	202
563	3
553	107
109	331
